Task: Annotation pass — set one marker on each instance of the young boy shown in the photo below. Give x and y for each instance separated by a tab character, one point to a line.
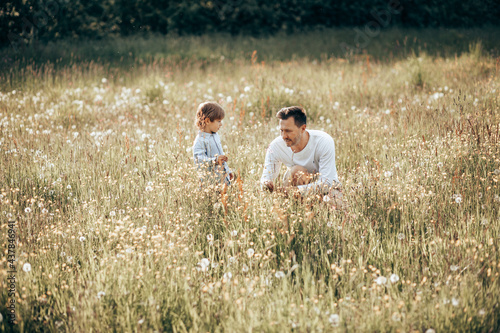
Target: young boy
207	148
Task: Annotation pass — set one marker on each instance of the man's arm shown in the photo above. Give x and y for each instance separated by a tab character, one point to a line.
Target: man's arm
327	170
271	169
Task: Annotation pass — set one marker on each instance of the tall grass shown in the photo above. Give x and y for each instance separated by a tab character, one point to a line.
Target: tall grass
97	172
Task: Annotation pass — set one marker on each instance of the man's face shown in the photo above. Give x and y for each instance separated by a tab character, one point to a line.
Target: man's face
290	133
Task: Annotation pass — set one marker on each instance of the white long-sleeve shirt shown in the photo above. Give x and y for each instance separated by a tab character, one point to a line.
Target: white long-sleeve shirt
318	157
206	148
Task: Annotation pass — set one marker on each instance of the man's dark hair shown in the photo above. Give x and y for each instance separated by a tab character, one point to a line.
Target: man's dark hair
298	114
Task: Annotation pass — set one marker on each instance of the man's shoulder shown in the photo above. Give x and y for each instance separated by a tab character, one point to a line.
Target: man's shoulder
320	136
278	142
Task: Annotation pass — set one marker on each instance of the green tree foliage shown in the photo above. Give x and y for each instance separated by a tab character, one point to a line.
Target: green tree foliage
26	21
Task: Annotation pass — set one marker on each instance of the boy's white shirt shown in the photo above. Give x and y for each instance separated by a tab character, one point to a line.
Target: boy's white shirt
206	147
318	156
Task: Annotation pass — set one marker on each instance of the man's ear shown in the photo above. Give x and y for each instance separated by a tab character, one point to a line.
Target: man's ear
303	127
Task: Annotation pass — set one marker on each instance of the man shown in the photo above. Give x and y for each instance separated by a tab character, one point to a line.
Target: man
308	154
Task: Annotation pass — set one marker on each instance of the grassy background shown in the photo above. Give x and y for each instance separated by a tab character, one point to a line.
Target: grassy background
97	171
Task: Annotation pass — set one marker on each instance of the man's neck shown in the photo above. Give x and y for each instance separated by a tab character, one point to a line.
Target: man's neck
302	144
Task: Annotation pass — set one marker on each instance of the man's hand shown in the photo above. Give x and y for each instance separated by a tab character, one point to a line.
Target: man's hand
231	176
221	159
269	186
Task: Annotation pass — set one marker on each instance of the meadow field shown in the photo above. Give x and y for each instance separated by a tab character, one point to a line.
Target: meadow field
112	232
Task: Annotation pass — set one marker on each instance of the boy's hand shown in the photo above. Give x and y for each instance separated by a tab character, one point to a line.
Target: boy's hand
231	176
221	159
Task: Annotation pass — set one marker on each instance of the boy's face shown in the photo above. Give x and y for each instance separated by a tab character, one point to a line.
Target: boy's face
212	126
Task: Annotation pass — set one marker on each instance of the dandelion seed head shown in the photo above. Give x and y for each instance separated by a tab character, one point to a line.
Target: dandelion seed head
204	262
381	280
279	274
334	320
394	278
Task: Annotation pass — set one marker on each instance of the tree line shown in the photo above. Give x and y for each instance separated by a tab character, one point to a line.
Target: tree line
23	21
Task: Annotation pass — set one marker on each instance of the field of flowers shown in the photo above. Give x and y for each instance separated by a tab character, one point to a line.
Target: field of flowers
113	232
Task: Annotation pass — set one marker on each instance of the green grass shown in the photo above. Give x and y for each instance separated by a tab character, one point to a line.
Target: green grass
97	146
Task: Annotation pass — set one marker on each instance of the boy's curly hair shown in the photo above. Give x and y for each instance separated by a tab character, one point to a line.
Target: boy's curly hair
210	110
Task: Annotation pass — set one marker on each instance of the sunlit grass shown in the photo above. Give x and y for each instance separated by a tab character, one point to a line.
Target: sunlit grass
97	171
